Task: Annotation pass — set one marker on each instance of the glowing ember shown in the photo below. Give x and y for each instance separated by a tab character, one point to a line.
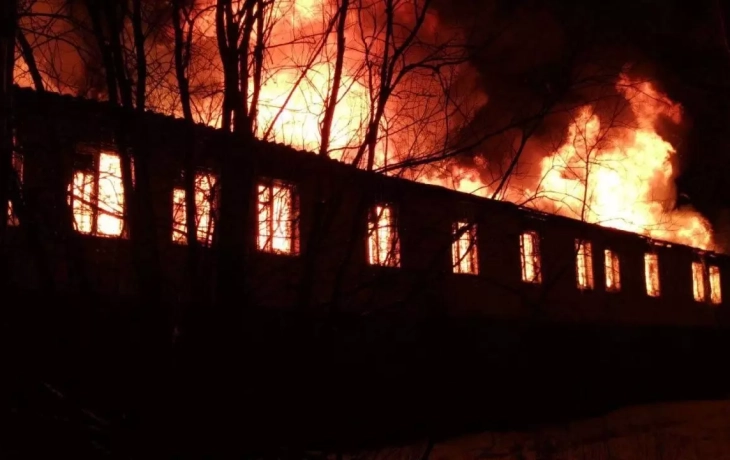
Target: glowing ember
464	248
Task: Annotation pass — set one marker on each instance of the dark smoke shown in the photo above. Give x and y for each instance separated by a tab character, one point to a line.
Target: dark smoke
558	53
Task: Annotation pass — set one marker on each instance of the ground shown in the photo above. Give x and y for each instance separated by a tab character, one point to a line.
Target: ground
690	430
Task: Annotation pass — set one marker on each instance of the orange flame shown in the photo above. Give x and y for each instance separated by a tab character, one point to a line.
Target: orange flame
295	88
622	177
616	176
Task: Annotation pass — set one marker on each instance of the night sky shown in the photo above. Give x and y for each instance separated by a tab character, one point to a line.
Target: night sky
526	49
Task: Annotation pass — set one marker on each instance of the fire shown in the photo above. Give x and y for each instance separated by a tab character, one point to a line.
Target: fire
298	80
584	264
614	175
204	201
706	279
530	257
617	176
621	177
299	123
612	270
383	243
277	218
698	281
464	249
651	274
715	289
82	201
97	198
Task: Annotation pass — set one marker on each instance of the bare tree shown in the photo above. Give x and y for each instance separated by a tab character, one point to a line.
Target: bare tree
241	31
331	103
183	22
7	60
27	53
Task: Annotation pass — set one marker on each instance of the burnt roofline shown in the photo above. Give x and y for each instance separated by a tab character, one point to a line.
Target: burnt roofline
29	96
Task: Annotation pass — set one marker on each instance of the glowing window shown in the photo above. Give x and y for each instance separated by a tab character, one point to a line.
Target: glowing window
698	281
97	198
204	204
18	168
530	257
464	248
12	218
612	271
383	244
651	274
584	264
715	290
277	218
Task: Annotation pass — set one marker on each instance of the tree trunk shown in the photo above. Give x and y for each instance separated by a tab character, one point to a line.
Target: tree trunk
258	64
27	52
225	319
181	69
139	41
8	25
329	112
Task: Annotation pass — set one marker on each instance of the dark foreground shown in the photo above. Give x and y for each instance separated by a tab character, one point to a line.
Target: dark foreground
122	381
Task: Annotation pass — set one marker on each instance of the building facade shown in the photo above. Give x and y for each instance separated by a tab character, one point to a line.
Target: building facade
441	300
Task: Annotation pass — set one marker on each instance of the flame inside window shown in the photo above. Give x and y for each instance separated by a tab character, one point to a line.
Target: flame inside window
383	244
698	281
530	257
715	289
612	270
82	201
464	248
277	218
204	201
12	218
18	168
651	274
584	264
97	198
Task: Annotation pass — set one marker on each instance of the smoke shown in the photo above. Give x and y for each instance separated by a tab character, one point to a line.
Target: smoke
591	132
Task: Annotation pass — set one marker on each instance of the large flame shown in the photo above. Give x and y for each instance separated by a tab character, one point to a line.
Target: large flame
621	176
614	174
298	80
617	176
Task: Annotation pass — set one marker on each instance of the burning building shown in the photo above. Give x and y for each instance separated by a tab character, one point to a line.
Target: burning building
510	254
220	287
408	274
471	255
